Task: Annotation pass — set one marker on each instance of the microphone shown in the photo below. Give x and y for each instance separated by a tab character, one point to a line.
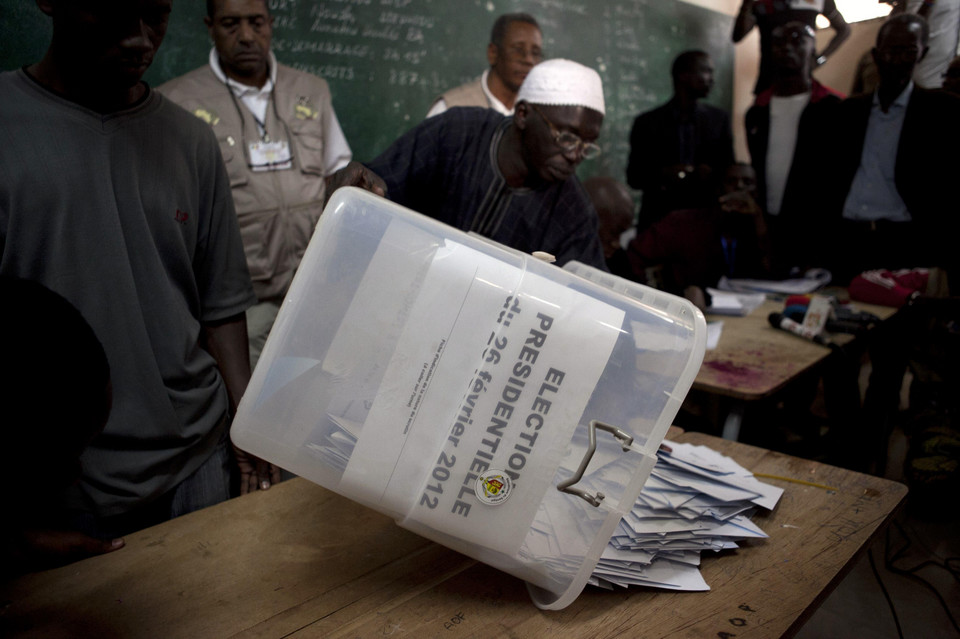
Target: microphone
779	320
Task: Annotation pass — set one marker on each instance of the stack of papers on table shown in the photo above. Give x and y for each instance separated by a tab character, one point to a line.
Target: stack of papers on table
812	280
730	303
695	500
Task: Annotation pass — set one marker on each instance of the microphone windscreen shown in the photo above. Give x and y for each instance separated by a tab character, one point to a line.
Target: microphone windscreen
775	319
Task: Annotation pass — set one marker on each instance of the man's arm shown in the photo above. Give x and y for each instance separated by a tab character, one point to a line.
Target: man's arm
841	32
926	8
41	549
355	174
745	21
581	243
336	150
226	341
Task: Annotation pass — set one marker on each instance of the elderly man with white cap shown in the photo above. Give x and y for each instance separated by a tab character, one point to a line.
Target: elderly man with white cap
510	179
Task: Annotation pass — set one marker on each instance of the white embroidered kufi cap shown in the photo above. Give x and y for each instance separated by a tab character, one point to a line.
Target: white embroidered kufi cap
563	83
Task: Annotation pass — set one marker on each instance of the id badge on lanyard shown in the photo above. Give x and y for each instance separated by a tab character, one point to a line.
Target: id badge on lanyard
270	156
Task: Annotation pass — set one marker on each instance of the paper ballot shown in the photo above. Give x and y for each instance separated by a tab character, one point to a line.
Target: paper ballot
480	398
729	303
695	500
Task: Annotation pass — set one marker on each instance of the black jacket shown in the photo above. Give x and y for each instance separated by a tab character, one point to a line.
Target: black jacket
655	144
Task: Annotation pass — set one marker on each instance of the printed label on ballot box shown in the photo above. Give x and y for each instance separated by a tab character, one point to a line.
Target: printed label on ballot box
489	379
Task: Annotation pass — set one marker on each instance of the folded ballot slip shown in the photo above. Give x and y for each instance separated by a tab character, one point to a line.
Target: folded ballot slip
496	404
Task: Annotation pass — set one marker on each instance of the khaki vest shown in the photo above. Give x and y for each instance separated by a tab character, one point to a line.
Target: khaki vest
277	210
470	94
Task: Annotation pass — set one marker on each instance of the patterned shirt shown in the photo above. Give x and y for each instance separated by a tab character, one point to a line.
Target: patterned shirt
446	168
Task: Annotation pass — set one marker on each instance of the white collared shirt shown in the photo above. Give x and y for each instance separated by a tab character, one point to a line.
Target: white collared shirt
336	150
256	99
873	194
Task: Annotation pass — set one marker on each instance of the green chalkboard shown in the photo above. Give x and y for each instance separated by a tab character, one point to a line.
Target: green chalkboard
386	60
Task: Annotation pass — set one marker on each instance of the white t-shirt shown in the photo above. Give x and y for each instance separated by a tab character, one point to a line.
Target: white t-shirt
944	24
785	115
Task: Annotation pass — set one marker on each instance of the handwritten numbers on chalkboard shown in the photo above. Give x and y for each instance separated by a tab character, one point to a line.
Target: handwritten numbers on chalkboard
404	78
391	54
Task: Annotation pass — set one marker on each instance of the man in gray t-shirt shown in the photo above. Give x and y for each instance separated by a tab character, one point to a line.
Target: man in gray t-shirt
117	199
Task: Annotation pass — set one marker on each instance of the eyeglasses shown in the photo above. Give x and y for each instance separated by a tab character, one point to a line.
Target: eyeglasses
521	52
568	141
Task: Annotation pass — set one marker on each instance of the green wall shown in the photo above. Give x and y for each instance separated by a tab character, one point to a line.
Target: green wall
386	60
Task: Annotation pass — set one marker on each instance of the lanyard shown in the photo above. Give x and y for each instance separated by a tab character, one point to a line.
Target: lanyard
729	254
261	124
265	137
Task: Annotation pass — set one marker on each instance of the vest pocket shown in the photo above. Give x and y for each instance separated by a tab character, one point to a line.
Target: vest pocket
308	138
233	160
262	235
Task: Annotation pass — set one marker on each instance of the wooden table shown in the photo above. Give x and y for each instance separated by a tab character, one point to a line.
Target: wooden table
754	360
301	561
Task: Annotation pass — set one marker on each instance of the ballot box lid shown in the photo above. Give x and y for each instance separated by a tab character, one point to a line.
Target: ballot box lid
485	399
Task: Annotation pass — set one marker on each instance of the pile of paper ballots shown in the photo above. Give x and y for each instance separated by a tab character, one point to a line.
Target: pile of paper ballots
695	500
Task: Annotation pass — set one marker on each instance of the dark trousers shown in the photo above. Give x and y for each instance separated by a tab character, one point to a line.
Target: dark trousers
868	245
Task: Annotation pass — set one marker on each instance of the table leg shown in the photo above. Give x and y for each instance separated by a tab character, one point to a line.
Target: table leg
731	425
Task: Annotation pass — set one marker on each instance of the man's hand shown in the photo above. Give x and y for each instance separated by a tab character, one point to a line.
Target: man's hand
739	202
696	295
41	549
355	174
255	473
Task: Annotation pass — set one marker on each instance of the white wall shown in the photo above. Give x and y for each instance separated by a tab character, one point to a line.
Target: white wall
837	73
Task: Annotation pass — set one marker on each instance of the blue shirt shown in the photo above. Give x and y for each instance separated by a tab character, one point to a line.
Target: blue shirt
873	194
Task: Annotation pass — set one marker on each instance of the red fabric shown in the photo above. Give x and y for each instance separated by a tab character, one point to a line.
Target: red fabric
888	288
914	278
817	93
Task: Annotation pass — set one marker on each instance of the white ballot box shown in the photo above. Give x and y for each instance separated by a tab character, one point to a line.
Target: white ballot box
454	384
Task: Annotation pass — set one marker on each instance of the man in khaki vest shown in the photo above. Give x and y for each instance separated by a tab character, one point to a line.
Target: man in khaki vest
280	139
515	47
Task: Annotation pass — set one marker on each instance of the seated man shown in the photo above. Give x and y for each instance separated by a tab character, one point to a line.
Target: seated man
515	47
509	179
698	246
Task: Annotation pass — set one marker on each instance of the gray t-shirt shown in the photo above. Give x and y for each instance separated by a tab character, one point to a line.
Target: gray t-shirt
129	216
